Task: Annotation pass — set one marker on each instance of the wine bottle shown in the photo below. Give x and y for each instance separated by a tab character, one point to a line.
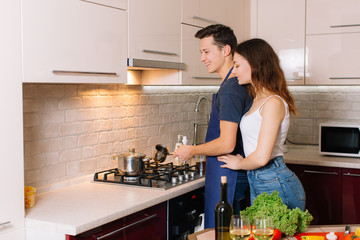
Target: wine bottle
223	212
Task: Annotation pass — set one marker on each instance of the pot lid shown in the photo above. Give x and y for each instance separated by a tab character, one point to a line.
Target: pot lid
132	154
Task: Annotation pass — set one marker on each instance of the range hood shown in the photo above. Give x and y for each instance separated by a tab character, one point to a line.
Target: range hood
143	64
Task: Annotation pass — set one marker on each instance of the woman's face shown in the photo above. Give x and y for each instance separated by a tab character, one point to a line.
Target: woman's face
242	69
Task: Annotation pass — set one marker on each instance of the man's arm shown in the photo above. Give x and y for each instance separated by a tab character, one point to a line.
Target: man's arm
224	144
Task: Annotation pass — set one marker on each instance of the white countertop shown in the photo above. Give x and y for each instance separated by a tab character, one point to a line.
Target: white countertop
79	207
83	206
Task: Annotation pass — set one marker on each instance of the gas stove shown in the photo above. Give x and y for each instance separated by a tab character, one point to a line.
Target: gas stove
155	175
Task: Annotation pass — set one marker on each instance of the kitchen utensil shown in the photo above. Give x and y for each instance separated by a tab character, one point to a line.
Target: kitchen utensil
131	163
161	153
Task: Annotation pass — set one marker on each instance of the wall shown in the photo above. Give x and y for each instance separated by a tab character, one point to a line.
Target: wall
70	130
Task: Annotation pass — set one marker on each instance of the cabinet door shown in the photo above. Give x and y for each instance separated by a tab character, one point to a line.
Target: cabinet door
149	224
195	72
73	41
350	196
11	140
154	30
203	12
323	193
332	16
285	36
333	59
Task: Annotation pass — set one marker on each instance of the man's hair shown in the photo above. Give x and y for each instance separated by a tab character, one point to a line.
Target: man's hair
223	35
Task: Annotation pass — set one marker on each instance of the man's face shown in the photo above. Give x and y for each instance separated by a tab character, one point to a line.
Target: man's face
242	69
211	55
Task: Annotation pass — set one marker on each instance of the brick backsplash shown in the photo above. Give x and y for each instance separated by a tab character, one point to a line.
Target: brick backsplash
71	130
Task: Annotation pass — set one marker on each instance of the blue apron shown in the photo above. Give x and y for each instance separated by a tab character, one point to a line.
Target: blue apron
213	171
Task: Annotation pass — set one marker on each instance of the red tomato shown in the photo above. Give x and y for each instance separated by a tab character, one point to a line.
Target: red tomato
277	234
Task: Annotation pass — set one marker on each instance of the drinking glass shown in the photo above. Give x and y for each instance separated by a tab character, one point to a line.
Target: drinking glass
240	227
263	228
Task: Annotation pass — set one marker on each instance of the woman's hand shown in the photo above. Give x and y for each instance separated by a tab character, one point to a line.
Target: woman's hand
231	161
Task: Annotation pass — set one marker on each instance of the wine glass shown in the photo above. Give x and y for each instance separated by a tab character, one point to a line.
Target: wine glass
263	228
240	227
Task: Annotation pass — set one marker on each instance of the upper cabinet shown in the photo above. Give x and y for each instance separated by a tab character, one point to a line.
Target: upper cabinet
203	12
332	16
154	30
282	24
74	41
332	42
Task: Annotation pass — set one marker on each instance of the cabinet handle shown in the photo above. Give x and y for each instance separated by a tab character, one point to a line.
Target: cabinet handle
347	25
85	73
195	77
4	224
344	78
294	78
204	19
127	226
351	175
320	172
159	52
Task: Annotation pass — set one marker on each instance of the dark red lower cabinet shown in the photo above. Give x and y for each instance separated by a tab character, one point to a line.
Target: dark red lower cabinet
149	224
350	196
323	192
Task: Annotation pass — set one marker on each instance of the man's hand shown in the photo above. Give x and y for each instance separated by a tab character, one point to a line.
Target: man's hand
184	152
231	161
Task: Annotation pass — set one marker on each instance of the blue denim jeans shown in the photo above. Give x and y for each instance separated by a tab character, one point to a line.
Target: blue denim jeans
276	176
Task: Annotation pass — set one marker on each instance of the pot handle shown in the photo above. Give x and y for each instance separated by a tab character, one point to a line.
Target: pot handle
115	158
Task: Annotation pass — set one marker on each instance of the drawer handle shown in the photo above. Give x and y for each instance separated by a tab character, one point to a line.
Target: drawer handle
195	77
347	25
204	19
320	172
159	52
4	224
344	78
351	175
127	226
85	73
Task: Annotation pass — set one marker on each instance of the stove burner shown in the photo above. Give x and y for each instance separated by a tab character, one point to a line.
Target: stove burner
155	175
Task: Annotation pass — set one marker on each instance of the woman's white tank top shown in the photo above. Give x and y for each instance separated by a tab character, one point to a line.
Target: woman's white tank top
250	129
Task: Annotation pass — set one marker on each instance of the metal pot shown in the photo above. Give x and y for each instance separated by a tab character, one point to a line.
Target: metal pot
161	153
131	163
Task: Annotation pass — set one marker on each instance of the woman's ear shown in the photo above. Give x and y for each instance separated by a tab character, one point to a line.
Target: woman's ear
227	50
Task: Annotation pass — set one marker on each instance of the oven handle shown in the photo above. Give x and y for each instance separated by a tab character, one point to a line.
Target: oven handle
127	226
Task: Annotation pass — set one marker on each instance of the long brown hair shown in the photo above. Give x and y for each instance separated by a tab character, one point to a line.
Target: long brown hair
265	69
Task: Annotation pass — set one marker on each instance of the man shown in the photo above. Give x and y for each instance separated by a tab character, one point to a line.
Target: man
217	44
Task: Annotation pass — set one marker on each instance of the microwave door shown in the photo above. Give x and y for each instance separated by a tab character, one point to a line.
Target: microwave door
340	140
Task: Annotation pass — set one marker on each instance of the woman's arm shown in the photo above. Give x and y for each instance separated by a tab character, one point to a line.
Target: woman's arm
272	113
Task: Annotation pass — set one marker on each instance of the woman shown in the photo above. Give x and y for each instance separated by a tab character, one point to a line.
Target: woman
264	127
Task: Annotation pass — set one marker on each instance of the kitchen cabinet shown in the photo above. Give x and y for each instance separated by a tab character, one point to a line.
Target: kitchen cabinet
350	196
73	41
332	16
331	193
282	24
196	71
333	59
11	139
154	30
149	224
203	12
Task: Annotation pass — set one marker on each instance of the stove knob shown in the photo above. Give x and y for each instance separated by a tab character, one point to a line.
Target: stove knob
181	178
192	174
187	176
174	180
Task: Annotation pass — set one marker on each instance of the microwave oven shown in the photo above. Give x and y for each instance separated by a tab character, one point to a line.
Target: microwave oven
339	139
